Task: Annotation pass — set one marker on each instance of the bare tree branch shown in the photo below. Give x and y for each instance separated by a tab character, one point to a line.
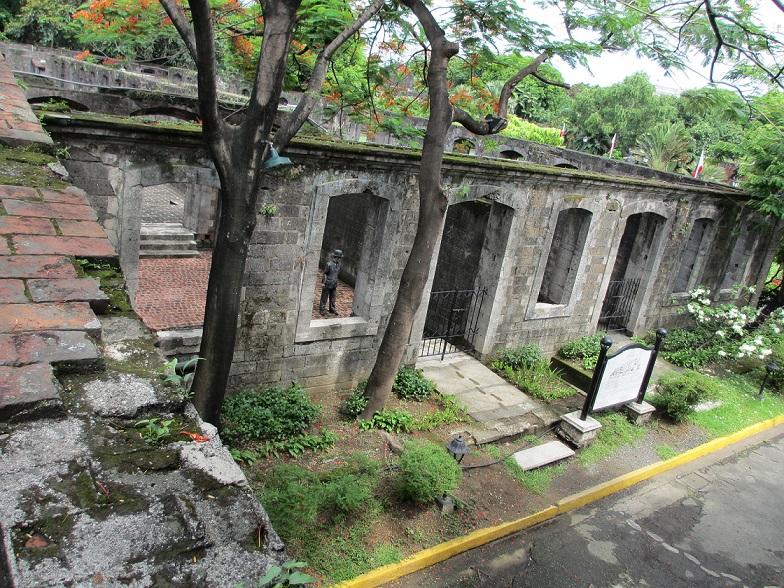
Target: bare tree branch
511	83
549	82
312	93
177	15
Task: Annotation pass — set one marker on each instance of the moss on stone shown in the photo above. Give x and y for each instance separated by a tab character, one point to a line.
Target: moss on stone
27	167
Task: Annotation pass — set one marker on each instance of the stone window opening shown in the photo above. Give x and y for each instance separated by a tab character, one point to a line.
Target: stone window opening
690	266
563	260
464	146
510	154
355	226
740	258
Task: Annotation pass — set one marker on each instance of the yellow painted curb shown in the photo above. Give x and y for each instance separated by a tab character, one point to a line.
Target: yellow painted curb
443	551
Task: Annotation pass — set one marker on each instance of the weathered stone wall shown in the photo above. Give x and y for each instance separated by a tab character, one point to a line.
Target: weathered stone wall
279	341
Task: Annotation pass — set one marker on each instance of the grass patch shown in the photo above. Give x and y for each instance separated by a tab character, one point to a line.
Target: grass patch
666	452
741	407
537	480
616	432
529	370
112	283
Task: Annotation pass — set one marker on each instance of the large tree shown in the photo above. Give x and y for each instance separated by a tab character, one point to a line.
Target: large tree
238	152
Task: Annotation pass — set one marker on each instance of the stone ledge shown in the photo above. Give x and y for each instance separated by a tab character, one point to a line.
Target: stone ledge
28	390
66	350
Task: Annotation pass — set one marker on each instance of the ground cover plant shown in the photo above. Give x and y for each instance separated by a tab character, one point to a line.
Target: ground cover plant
427	471
678	393
529	370
585	350
616	432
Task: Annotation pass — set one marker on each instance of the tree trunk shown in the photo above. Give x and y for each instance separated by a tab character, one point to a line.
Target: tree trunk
432	212
237	221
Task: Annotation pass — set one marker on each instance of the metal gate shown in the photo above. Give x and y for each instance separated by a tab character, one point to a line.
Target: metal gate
618	302
451	323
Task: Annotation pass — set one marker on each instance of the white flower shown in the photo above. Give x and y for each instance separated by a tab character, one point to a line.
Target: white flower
720	334
776	329
722	353
752	289
765	352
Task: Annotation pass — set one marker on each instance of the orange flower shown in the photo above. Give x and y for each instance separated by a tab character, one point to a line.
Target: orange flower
195	437
82	55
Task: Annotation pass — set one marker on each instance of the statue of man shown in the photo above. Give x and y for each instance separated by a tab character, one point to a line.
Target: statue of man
329	290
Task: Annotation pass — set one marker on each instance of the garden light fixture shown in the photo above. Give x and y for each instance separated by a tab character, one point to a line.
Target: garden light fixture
770	369
457	448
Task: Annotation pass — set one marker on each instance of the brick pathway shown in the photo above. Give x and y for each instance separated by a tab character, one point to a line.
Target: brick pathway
18	124
344	301
172	292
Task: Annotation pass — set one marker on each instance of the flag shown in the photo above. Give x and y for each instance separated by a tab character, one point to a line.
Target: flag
700	164
612	145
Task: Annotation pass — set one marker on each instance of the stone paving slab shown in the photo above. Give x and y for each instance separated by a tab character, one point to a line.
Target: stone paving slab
66	196
36	266
4	248
57	245
55	347
59	316
19	192
76	228
69	290
541	455
10	225
18	123
27	387
12	291
49	210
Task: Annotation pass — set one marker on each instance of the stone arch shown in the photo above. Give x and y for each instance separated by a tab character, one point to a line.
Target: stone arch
73	104
464	146
510	154
701	226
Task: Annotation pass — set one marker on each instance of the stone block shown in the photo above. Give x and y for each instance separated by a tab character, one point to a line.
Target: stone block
76	228
69	290
57	245
28	388
72	349
577	431
26	226
19	193
49	210
639	413
36	266
65	197
541	455
123	396
12	291
59	316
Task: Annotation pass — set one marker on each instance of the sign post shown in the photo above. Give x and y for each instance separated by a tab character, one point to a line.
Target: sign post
619	379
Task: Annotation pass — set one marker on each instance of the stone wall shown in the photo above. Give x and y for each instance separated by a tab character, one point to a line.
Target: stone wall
278	341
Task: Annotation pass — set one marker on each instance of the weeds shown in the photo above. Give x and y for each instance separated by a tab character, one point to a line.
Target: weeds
616	432
155	430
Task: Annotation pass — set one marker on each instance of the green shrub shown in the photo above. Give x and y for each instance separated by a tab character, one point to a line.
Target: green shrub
690	348
517	358
411	384
585	349
678	394
356	402
295	497
427	471
540	382
273	414
390	420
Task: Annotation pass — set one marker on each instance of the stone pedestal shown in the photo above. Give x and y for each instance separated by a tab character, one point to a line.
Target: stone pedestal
639	412
577	431
446	503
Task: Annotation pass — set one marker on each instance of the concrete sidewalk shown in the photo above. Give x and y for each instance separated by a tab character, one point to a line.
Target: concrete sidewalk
500	409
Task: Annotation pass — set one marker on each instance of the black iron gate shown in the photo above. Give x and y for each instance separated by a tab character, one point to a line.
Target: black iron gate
618	302
452	321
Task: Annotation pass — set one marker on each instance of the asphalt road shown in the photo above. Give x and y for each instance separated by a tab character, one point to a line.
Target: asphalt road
720	524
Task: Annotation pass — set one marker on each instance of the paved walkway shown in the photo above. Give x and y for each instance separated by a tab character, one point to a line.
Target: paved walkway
715	522
18	124
500	409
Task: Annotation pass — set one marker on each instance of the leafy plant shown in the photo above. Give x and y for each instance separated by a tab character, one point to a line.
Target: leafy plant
155	430
179	375
527	368
269	209
522	357
274	414
356	401
287	575
411	384
585	349
678	393
298	445
390	420
427	471
451	411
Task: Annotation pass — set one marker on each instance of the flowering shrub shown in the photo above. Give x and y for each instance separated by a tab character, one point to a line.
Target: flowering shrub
723	332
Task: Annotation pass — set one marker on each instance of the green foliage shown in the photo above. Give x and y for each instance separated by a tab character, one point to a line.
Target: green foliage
390	420
356	401
616	432
287	575
297	445
518	358
411	384
273	414
527	368
585	349
112	283
268	209
427	471
666	147
451	411
762	166
44	22
179	375
679	393
521	129
740	407
155	430
295	497
537	480
690	348
665	452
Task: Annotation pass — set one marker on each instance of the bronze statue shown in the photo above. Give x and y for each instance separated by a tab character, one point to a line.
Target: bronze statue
329	290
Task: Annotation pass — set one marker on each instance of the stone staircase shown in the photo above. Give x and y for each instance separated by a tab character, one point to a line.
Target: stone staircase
166	240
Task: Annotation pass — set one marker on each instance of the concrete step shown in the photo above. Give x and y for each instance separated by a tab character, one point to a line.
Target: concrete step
164	229
168	253
188	236
542	455
166	244
71	351
30	389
